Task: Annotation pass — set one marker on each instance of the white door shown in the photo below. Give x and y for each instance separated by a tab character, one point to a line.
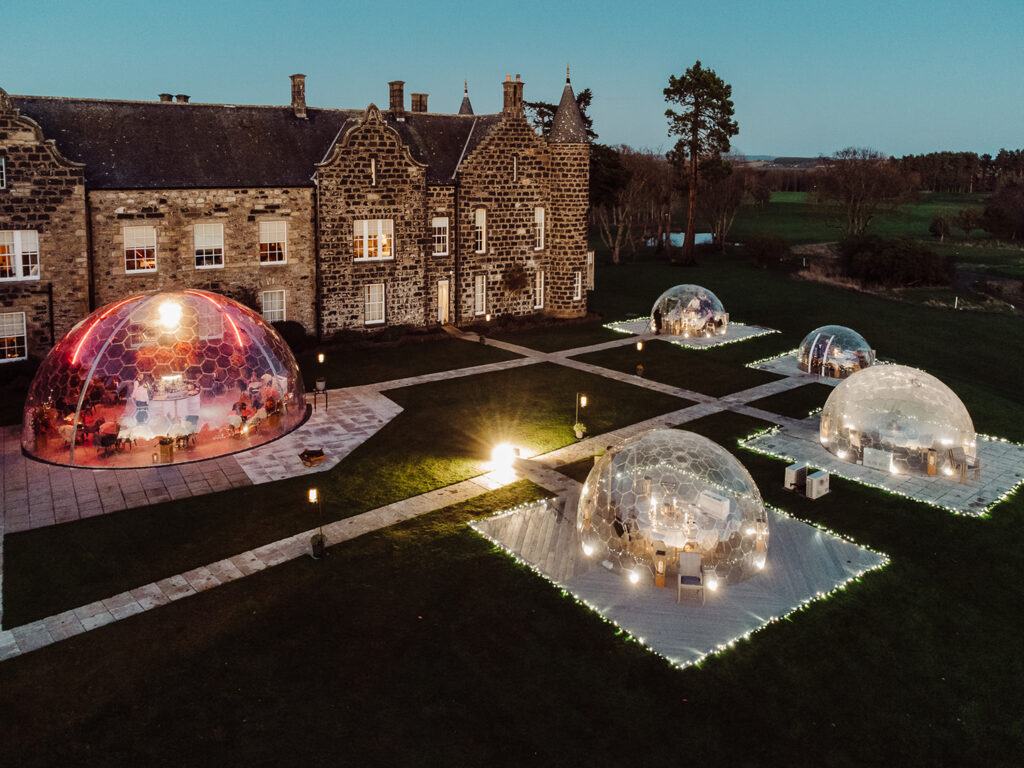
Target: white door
442	302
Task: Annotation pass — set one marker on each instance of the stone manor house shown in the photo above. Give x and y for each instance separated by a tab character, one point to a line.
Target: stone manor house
338	219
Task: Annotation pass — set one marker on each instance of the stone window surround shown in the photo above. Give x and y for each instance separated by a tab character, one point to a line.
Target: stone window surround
21	251
12	327
480	293
274	306
538	229
480	230
139	248
577	291
538	289
373	306
273	242
375	236
208	245
440	227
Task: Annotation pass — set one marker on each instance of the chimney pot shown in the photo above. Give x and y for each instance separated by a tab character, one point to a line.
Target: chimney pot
299	96
182	98
165	97
397	101
513	97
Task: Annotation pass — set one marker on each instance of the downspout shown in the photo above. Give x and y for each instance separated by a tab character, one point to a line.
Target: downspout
91	278
317	308
456	251
49	292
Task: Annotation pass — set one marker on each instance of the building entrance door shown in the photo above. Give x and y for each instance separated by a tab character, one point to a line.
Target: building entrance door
442	302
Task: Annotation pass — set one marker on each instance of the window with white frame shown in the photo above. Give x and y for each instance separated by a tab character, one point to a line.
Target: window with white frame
538	229
440	225
3	173
373	239
373	303
538	289
19	255
273	306
480	230
208	241
479	294
12	337
515	168
273	242
577	290
140	249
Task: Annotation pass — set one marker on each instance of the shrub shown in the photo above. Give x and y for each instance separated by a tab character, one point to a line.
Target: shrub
767	251
293	333
894	263
939	226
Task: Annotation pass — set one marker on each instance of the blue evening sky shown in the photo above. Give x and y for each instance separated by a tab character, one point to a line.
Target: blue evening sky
808	77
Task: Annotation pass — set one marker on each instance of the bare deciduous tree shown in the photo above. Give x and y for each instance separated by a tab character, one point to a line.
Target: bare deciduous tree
856	184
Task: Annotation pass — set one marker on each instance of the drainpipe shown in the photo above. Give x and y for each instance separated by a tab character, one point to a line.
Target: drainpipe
49	293
457	250
317	295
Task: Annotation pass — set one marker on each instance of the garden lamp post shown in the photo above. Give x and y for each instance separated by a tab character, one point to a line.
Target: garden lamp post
581	402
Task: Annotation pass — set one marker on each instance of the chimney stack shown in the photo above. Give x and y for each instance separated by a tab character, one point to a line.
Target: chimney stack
299	96
181	98
419	102
397	98
165	97
513	105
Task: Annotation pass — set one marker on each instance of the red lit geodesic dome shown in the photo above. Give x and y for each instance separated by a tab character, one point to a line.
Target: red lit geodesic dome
162	377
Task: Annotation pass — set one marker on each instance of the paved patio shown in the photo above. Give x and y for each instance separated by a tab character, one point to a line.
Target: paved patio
734	332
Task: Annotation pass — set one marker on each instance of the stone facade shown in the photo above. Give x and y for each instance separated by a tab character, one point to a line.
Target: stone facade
43	192
175	212
381	208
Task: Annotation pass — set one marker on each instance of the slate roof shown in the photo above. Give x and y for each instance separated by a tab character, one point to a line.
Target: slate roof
567	125
154	145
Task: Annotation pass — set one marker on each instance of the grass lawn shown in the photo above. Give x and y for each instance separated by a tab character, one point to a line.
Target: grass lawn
444	435
423	645
795	403
349	368
690	369
557	338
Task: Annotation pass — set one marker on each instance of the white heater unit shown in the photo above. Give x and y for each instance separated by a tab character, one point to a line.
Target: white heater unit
714	504
796	476
817	484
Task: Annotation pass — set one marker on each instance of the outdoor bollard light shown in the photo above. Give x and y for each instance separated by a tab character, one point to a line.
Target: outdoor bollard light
320	358
317	542
639	346
581	402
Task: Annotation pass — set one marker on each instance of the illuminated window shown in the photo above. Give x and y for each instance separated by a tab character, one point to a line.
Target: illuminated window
538	229
480	294
208	240
273	306
373	303
373	239
273	242
440	226
480	230
538	289
140	249
19	255
577	291
12	337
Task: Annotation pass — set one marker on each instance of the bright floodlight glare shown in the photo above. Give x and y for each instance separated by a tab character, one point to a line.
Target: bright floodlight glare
713	581
634	577
588	550
170	314
502	456
320	357
583	401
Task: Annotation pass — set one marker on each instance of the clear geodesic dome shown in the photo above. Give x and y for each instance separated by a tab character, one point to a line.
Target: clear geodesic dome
835	351
898	419
689	310
162	377
669	491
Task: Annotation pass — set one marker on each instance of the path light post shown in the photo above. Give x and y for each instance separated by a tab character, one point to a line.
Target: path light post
321	383
317	542
579	428
640	363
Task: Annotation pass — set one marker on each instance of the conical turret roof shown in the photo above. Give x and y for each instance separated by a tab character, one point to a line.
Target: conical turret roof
466	108
567	127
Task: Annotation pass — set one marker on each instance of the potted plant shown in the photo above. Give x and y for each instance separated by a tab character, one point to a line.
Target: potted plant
318	543
580	429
